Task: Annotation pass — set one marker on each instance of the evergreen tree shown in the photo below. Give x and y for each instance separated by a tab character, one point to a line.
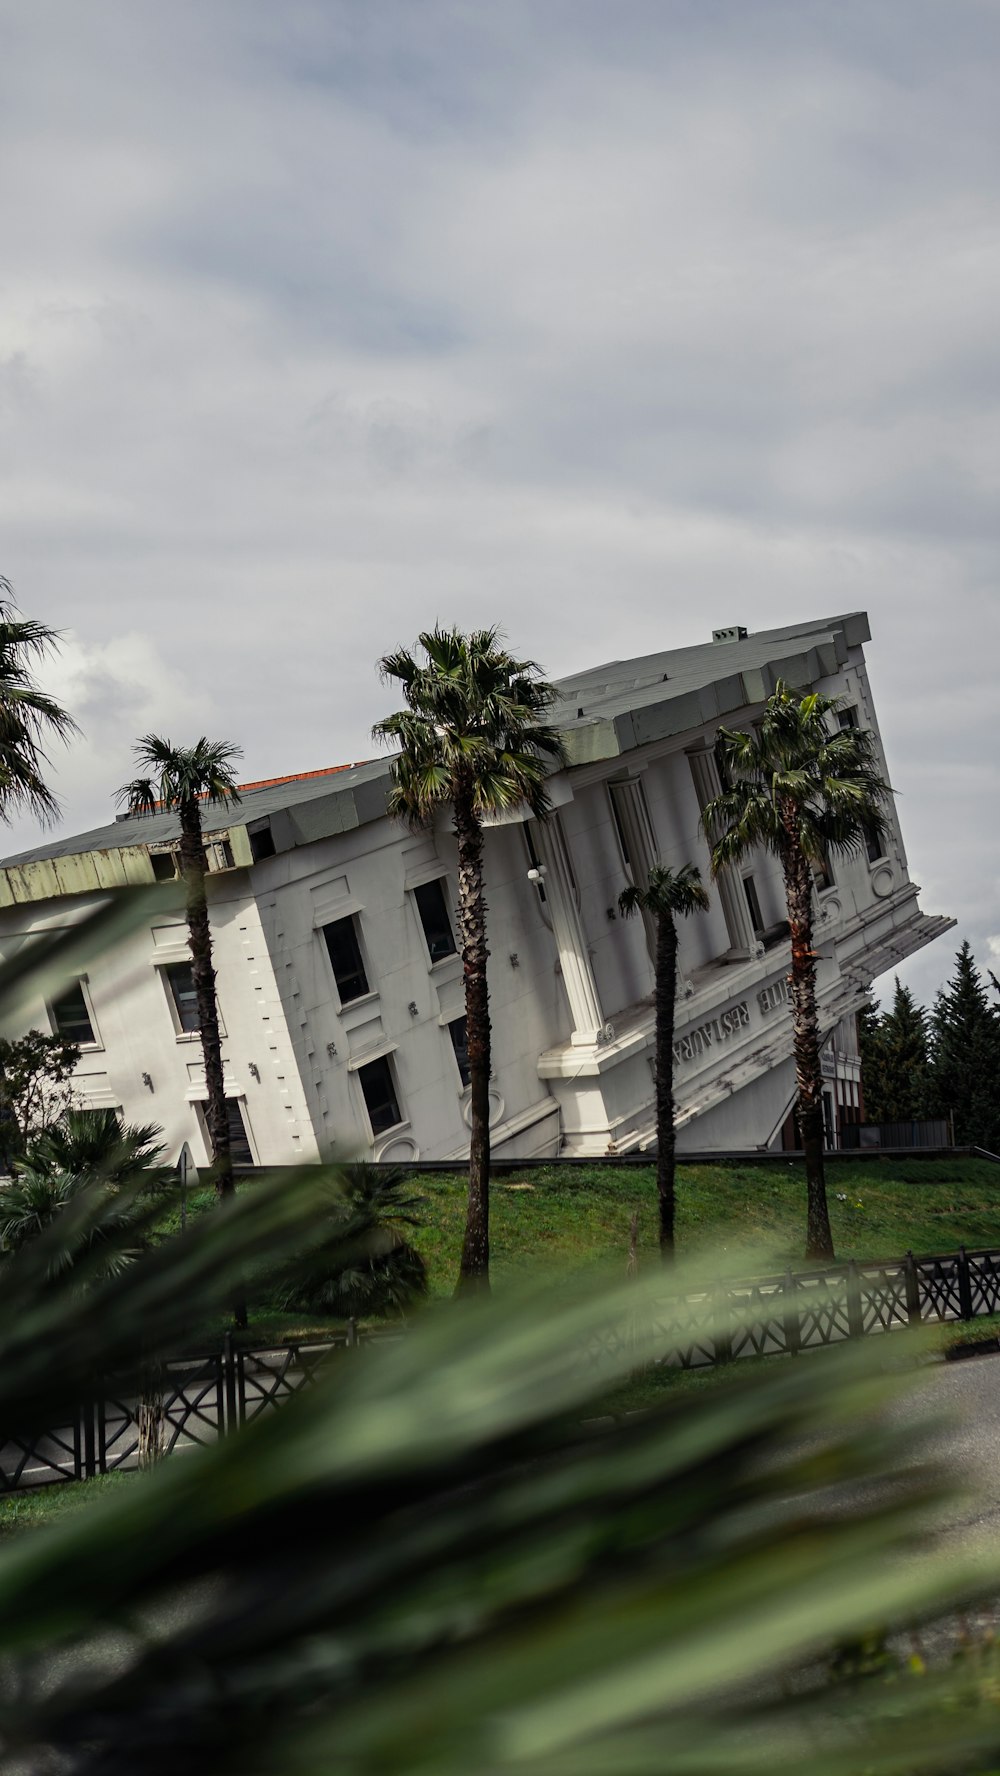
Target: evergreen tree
895	1061
965	1057
870	1050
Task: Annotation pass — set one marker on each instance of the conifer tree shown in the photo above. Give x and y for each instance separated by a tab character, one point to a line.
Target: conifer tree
965	1057
896	1066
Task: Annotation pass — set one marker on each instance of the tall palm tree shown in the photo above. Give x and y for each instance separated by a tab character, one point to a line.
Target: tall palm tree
179	779
28	719
800	788
473	734
28	716
668	895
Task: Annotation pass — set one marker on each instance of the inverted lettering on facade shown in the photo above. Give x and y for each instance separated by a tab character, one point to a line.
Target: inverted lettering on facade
712	1033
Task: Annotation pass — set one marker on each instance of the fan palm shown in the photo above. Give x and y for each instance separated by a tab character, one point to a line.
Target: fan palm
474	735
28	719
668	895
800	791
28	716
93	1143
179	779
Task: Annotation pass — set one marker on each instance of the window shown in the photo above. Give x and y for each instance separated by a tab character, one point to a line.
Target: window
71	1017
433	910
822	873
180	980
620	829
460	1043
750	890
379	1091
239	1140
848	718
875	847
346	959
240	1151
164	865
261	842
533	859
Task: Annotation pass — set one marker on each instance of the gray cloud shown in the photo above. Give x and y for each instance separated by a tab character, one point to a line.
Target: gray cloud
323	322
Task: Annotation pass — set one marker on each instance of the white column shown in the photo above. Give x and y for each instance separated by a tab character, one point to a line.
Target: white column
707	785
633	813
587	1017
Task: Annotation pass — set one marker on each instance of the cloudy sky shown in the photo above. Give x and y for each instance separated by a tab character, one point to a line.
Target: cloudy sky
612	322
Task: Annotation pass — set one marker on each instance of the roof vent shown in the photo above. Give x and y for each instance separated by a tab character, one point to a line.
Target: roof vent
735	632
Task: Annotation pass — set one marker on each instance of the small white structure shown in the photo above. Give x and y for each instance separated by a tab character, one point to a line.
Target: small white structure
339	981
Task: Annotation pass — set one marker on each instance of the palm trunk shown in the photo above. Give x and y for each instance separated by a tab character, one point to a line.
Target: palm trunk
200	941
666	1139
474	1268
149	1415
808	1073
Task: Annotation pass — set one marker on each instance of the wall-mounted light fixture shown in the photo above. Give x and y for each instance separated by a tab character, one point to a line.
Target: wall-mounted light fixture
331	1049
514	959
536	874
413	1008
147	1081
255	1070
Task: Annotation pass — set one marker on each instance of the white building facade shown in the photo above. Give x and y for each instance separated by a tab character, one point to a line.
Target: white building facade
339	981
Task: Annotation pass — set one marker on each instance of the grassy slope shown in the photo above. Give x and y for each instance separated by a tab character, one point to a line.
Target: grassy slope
575	1218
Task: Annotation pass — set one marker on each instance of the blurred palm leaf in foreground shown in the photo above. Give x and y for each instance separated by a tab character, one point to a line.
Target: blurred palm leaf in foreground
439	1561
433	1562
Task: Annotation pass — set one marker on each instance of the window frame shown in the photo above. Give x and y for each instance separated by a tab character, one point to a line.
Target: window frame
163	967
95	1041
450	1027
402	1121
449	917
237	1099
354	921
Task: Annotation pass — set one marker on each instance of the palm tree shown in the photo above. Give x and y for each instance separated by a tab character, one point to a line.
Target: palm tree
473	734
668	894
800	791
88	1150
179	779
28	717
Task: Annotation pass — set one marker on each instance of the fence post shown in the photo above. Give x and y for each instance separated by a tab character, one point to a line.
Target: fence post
793	1338
855	1315
89	1448
352	1334
722	1338
912	1290
965	1286
229	1374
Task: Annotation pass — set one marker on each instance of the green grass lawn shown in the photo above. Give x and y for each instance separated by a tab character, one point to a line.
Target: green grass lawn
572	1219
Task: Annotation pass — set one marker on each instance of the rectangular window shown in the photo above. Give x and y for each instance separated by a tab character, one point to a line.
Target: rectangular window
239	1140
619	828
164	865
750	890
460	1043
71	1017
822	874
848	718
875	847
533	859
379	1091
346	959
261	842
433	910
180	980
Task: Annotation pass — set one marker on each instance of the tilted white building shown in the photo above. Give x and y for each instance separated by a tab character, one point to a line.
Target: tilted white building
339	981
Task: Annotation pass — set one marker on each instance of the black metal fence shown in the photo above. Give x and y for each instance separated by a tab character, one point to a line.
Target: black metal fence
205	1398
862	1136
